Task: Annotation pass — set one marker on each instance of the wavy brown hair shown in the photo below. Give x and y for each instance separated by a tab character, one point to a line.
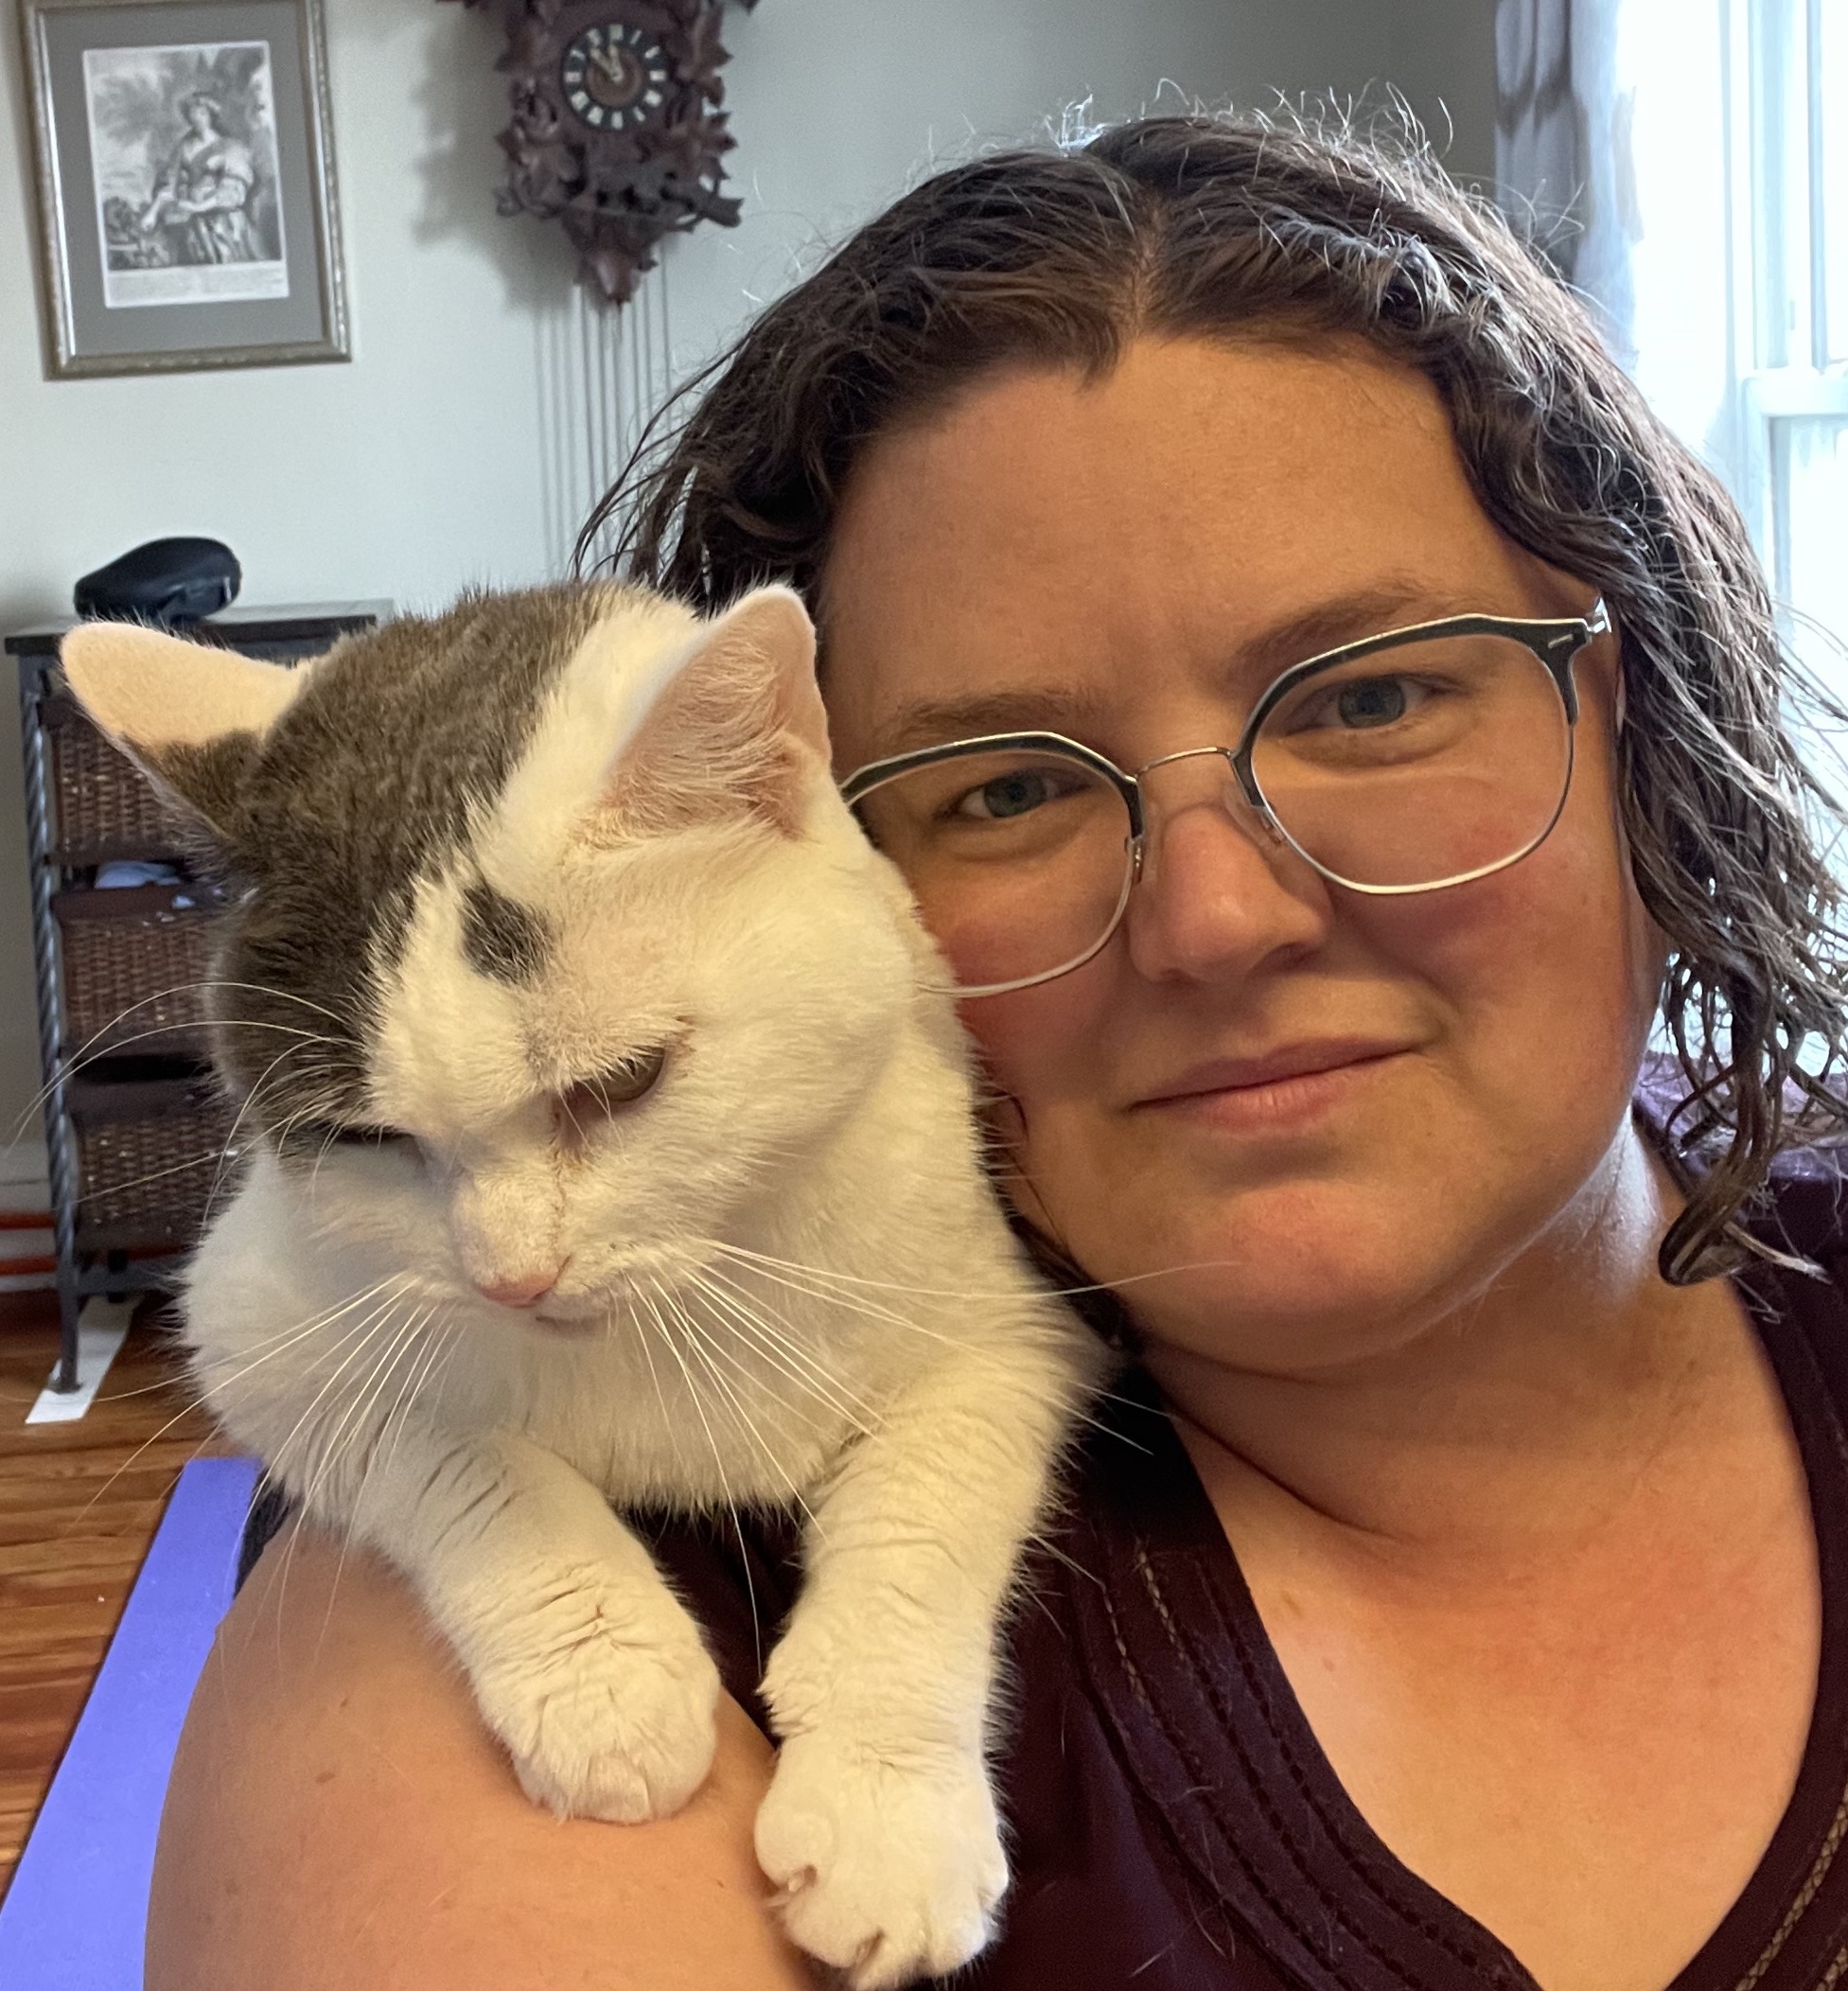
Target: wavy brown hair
1234	227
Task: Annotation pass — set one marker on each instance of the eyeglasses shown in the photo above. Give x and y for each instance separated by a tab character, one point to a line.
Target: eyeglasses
1408	762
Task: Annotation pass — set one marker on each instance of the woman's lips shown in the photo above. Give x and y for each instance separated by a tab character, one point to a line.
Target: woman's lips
1281	1089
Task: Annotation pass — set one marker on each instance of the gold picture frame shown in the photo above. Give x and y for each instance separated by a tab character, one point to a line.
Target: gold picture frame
187	213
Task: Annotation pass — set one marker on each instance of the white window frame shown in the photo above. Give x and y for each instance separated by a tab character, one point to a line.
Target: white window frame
1780	336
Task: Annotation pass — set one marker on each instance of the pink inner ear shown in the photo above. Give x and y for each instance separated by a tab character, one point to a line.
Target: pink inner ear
149	690
714	748
778	624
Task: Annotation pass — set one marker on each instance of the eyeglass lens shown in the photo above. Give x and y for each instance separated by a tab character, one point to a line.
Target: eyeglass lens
1420	765
1013	857
1407	770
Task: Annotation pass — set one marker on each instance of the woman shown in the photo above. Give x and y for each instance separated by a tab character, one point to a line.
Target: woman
205	190
1456	1599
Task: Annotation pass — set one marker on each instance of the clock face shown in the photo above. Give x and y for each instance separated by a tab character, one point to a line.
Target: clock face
615	75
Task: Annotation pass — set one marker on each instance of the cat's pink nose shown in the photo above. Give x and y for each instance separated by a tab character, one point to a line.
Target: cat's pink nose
526	1291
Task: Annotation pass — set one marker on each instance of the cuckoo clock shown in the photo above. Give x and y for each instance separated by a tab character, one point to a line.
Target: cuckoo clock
617	131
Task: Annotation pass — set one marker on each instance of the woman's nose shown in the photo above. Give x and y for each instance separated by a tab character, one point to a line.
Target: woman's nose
1220	893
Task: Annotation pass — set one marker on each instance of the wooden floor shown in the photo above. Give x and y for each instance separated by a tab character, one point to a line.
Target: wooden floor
79	1506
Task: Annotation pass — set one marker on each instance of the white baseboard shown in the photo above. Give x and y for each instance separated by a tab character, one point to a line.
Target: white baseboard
24	1180
24	1190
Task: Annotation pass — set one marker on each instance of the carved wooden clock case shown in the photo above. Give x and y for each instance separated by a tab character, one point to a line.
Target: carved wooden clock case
617	131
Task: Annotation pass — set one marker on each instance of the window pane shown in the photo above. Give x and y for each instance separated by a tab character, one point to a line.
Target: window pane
1832	56
1658	227
1815	524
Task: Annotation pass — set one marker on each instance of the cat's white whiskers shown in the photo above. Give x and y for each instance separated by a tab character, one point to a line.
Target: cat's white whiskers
207	1158
335	1311
271	1476
967	1350
711	1350
211	1157
669	1424
725	1337
368	1331
364	1440
237	1121
737	1520
822	1276
853	1302
275	994
243	1361
422	1388
883	1316
822	1283
700	1348
351	1431
671	1345
766	1336
329	1141
344	1348
357	1339
846	1412
102	1043
185	1411
776	1344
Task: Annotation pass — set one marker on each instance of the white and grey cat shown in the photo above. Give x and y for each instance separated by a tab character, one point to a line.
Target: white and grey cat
608	1145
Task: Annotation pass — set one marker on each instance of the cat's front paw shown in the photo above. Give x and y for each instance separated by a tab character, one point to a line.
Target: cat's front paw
888	1869
606	1724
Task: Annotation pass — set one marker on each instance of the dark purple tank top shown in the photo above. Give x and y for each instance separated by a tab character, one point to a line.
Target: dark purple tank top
1173	1823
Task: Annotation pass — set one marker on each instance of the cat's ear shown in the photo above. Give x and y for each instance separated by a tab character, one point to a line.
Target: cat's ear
189	713
734	723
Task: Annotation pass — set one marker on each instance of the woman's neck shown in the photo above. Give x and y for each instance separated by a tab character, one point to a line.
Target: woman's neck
1523	1417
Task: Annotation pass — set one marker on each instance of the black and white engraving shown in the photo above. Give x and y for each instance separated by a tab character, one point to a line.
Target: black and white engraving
183	140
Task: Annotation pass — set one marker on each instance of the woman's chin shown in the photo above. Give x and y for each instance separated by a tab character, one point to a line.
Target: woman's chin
1284	1297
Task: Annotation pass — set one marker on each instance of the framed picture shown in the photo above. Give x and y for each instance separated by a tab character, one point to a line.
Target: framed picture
186	183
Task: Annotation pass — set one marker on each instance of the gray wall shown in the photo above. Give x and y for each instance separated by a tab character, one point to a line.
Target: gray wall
434	458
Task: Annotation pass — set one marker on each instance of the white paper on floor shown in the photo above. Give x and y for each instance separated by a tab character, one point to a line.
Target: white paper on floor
101	1328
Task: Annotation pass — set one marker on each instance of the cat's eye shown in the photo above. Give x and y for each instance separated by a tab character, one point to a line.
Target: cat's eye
617	1085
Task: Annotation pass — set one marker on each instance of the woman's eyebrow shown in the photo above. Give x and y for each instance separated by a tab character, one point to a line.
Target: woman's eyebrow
1395	601
933	722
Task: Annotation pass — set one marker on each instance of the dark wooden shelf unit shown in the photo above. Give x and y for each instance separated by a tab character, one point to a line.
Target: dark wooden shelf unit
139	1143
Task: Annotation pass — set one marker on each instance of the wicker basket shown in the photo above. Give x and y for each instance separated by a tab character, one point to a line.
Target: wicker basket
106	807
134	966
153	1161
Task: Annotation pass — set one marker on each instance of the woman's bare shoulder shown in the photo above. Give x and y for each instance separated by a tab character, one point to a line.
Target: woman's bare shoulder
338	1815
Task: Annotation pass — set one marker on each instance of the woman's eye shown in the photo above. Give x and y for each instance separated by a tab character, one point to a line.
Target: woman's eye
1364	703
1373	702
1009	795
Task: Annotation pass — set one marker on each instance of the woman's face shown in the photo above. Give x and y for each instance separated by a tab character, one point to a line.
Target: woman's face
1346	1114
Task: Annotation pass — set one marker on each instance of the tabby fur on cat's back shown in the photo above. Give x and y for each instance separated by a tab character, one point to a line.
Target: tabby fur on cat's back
610	1142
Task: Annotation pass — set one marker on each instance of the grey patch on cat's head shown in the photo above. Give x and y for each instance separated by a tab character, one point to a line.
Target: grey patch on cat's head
374	780
501	938
206	778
